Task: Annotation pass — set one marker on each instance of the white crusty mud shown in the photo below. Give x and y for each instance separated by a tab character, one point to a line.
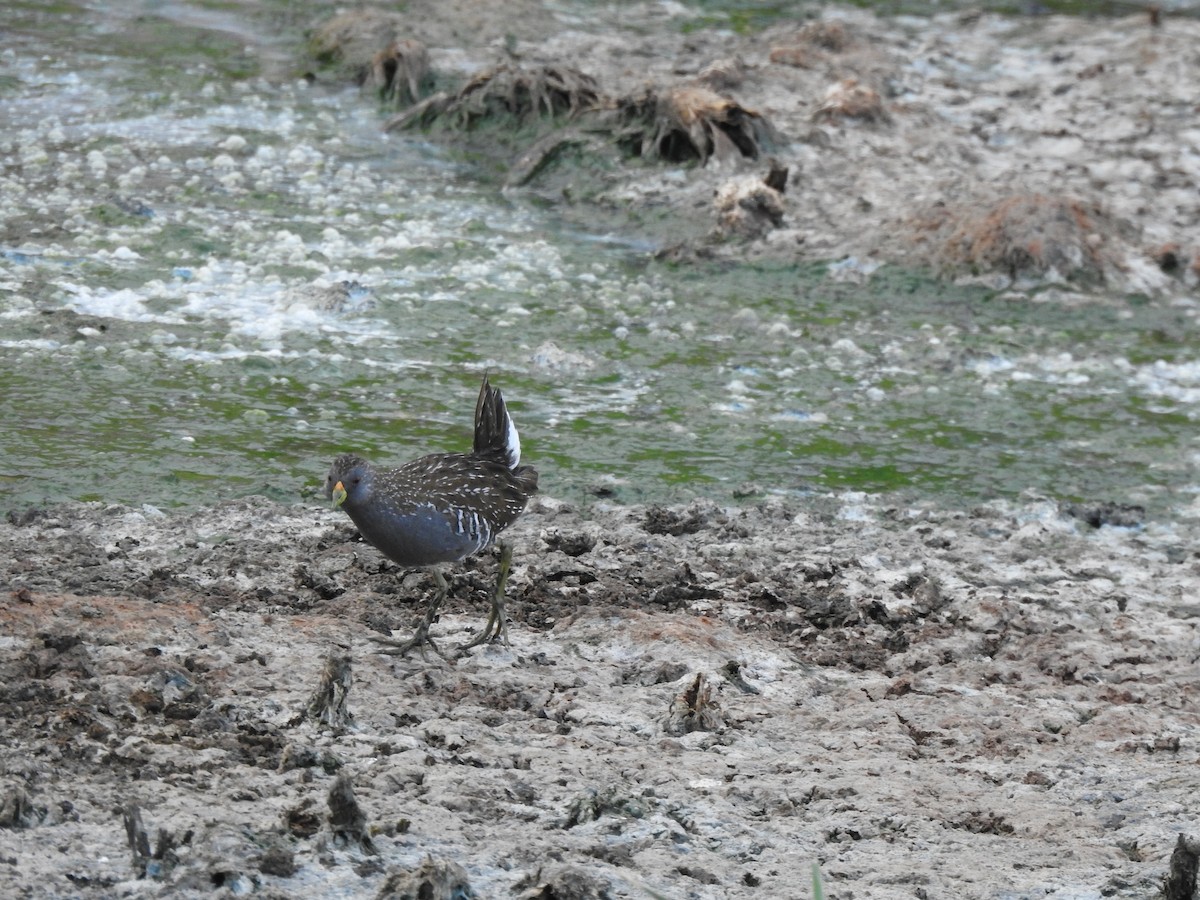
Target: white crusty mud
697	702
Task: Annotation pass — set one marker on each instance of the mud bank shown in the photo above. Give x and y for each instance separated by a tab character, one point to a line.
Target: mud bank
1021	150
696	702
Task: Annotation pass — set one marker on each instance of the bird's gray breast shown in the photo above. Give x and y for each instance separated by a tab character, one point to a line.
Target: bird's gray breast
423	535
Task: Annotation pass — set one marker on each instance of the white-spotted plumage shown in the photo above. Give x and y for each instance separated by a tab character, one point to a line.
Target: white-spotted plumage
443	507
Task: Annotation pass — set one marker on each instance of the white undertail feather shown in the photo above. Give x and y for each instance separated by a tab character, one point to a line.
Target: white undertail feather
512	442
495	431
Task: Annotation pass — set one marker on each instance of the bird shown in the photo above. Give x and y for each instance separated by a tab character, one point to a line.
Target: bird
441	509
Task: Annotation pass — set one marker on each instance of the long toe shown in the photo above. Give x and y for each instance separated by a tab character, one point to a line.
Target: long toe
420	638
419	641
485	635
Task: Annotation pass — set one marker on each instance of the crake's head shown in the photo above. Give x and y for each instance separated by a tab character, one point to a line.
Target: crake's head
347	479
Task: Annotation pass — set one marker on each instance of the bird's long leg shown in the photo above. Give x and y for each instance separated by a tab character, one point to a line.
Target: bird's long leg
497	623
421	636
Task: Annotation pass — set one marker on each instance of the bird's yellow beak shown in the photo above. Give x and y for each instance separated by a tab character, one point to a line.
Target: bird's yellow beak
338	495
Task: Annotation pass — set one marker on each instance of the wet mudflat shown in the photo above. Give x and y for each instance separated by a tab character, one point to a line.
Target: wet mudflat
697	702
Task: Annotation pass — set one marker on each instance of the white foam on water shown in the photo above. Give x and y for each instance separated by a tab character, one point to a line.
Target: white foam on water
1173	381
125	304
45	344
1176	381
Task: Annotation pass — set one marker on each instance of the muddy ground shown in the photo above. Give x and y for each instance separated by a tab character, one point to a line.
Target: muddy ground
696	702
1019	150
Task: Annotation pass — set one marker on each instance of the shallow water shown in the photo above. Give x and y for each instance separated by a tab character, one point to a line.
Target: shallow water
211	281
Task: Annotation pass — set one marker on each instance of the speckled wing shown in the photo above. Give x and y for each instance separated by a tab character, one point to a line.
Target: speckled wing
441	508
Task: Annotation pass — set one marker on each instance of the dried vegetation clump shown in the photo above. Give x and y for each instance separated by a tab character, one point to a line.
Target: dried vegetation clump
353	38
681	123
506	93
371	45
694	709
434	877
812	44
849	99
832	36
723	74
690	122
750	207
400	72
1174	259
1025	234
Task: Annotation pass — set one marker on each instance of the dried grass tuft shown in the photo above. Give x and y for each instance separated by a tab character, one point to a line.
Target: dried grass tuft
506	92
1021	234
690	122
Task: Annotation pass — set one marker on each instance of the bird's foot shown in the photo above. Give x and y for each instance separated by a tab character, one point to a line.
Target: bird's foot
419	641
491	631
